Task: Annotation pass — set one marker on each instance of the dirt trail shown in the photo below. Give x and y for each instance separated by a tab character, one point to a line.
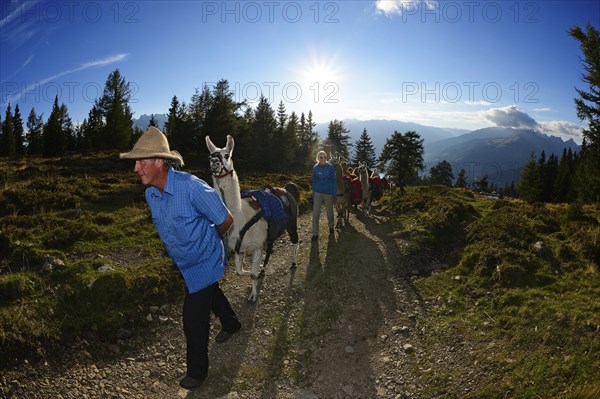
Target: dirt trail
344	324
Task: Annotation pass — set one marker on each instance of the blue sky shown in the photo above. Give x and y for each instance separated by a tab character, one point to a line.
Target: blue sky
461	64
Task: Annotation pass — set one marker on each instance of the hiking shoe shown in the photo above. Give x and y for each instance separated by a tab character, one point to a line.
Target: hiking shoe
223	335
191	383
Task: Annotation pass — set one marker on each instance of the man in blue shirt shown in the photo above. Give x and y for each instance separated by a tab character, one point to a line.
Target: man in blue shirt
190	219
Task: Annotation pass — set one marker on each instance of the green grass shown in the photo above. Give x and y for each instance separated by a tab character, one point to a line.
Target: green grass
526	282
88	211
521	286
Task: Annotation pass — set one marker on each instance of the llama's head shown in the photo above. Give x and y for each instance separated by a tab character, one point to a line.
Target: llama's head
221	162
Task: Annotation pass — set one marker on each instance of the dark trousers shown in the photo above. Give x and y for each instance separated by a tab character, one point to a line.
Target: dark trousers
196	325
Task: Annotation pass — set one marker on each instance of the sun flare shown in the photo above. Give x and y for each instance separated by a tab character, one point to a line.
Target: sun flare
321	71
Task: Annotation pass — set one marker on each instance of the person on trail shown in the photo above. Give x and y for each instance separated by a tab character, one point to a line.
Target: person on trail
190	219
324	191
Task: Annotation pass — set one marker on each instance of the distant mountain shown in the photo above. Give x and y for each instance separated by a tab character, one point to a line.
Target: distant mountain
499	153
144	120
380	130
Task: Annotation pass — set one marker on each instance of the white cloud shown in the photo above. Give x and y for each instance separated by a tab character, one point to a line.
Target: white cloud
542	110
484	103
510	116
18	11
397	7
86	65
562	128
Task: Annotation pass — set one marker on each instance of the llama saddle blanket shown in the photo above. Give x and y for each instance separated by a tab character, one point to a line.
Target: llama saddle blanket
271	205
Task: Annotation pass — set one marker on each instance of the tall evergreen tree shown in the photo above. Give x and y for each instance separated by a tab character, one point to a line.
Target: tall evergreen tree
280	142
588	109
67	128
530	185
461	179
222	117
441	173
292	133
308	139
200	103
364	151
92	129
482	185
402	157
264	156
19	132
176	127
563	184
9	141
55	140
35	129
338	139
153	122
549	174
114	104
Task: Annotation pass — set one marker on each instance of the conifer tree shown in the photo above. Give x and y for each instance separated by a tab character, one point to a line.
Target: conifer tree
200	104
461	179
67	128
292	132
176	127
530	186
549	174
55	140
92	129
19	132
338	139
8	142
281	143
441	173
117	114
402	157
222	118
564	177
588	109
364	151
153	122
263	156
482	185
35	128
309	139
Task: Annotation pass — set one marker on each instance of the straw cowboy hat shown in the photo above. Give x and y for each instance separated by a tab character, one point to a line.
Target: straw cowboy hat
153	144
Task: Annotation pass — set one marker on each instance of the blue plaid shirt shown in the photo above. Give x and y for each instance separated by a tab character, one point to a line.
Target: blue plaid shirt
185	215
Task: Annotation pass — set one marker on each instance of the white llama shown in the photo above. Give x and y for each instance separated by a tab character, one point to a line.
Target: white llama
246	238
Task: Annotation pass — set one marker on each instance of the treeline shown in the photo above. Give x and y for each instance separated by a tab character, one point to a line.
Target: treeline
265	139
543	179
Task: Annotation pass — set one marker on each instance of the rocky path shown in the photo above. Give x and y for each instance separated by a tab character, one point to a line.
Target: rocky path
344	324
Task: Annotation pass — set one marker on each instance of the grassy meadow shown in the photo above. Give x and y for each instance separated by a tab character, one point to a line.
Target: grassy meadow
89	213
519	282
522	288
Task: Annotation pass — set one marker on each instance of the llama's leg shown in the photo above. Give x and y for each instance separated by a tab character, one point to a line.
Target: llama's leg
295	247
239	265
292	229
267	257
256	262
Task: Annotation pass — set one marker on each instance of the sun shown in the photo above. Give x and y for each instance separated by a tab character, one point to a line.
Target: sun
321	71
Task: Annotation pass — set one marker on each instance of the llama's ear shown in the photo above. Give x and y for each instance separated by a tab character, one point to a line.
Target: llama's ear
211	147
230	144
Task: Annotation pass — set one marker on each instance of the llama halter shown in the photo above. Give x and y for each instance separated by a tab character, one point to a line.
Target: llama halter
217	165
